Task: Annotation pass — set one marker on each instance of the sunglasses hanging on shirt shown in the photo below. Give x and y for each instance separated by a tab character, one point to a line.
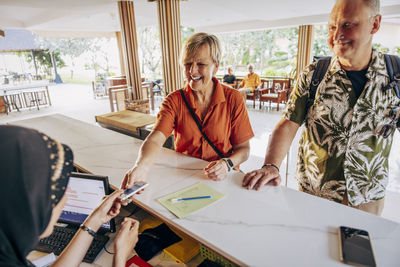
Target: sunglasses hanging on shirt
386	129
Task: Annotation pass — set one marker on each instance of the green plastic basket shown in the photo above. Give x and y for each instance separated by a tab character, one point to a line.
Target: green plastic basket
212	256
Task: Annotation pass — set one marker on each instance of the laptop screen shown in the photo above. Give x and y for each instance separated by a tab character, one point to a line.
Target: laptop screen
84	193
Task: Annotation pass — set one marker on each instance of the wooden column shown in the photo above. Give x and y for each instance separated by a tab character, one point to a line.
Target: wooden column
120	52
171	43
130	47
304	48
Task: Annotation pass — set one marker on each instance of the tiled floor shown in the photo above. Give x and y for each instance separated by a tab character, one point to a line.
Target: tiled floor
77	102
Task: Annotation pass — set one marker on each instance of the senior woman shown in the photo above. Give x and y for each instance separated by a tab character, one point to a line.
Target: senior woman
219	109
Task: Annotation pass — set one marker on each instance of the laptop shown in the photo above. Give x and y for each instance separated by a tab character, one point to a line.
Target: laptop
84	193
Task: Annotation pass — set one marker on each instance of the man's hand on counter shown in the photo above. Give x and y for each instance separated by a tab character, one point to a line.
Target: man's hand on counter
258	178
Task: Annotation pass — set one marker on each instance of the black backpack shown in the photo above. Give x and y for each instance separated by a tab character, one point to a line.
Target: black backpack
392	66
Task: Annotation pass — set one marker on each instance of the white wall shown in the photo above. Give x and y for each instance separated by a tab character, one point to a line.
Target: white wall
388	35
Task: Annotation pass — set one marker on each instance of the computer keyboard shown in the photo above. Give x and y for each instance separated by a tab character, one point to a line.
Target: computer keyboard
60	238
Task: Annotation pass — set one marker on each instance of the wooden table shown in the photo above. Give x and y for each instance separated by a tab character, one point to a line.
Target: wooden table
132	123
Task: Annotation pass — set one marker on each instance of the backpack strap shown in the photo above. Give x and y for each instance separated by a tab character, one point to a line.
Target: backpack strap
393	69
318	75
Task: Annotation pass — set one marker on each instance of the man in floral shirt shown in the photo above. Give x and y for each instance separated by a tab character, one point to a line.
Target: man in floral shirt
342	155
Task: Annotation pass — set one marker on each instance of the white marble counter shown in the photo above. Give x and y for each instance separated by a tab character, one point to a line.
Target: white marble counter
276	226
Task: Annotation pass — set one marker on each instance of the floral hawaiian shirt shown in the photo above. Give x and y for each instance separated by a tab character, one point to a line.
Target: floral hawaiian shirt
340	148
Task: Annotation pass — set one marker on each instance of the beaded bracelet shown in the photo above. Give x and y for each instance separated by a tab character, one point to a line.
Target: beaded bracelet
270	164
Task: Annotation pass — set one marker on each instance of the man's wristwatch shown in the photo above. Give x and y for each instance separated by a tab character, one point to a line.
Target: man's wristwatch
229	163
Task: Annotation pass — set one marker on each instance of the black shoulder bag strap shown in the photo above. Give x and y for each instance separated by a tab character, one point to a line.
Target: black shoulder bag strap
393	69
318	75
220	154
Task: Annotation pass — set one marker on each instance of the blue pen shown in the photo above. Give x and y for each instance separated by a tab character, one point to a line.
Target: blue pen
188	198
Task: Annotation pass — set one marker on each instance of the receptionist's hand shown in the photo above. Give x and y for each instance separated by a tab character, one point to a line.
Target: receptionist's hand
216	170
107	209
126	240
136	174
258	178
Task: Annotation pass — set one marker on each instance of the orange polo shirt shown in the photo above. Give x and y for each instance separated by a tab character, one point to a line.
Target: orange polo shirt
226	123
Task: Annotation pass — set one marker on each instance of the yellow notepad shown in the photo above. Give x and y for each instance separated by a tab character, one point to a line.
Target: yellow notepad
184	208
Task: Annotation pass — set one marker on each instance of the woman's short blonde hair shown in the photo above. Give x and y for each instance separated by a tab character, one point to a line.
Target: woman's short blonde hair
196	41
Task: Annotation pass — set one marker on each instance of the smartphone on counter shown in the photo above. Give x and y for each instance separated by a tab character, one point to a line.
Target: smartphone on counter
355	247
133	190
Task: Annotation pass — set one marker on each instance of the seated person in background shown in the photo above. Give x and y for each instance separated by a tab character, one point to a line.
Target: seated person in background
230	79
219	108
249	83
34	176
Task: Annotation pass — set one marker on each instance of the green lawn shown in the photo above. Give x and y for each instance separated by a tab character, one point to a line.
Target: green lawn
82	77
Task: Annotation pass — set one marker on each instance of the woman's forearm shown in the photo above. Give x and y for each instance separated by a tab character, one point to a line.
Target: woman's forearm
150	149
280	142
118	261
76	250
240	153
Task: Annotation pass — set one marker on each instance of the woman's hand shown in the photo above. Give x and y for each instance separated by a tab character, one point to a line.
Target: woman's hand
136	174
216	170
126	239
258	178
108	209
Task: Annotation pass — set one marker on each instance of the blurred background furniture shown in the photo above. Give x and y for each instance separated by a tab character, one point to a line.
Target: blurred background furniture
99	85
132	123
158	86
277	93
36	97
117	95
147	89
115	80
253	96
34	94
11	100
125	121
141	105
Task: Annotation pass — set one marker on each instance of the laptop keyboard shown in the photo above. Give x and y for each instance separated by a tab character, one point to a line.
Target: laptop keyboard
60	238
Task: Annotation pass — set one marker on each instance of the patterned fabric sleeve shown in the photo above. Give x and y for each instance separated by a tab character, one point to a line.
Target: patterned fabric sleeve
398	120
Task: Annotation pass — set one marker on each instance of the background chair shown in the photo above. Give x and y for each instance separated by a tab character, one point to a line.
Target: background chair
277	93
117	95
254	95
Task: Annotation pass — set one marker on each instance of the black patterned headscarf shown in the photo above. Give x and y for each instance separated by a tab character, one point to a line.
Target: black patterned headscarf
34	173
